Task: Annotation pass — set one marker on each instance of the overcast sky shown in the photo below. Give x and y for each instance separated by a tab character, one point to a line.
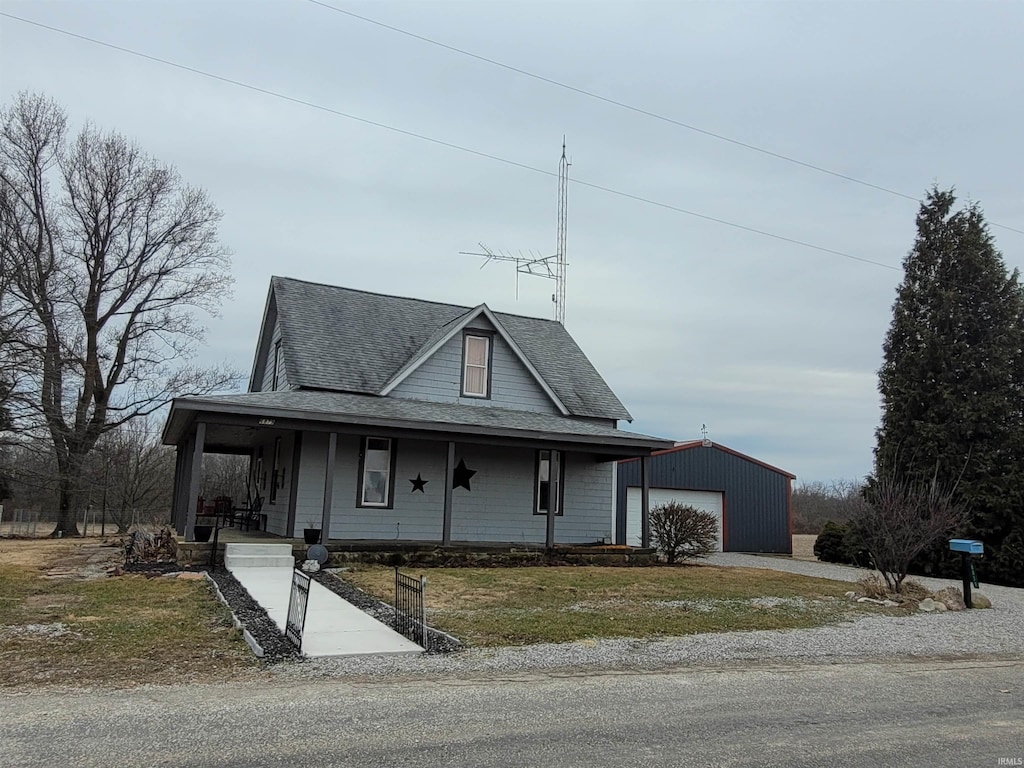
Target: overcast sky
773	345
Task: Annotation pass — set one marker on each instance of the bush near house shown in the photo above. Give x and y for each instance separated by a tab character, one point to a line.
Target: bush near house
680	531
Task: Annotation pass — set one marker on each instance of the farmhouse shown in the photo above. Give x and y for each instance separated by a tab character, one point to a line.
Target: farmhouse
376	417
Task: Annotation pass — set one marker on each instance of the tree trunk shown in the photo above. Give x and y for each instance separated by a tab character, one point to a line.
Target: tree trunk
71	476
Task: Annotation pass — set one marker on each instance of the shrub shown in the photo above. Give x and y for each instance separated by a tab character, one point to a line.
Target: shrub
829	547
841	543
680	531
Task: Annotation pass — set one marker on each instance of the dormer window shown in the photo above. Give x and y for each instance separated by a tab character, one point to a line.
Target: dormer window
476	365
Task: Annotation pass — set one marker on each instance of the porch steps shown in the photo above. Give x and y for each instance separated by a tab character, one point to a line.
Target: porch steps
258	556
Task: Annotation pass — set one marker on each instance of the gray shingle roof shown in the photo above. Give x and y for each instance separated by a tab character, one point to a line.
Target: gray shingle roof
352	341
347	407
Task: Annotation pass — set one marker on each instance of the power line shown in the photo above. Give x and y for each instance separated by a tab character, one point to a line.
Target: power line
632	108
449	145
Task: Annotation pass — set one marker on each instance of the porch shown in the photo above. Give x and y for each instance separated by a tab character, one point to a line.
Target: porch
372	471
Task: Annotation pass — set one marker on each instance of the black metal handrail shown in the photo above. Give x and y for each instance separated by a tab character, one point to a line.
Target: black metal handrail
410	607
297	602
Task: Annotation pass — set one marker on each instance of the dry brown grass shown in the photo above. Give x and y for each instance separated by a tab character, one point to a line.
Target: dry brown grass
59	628
502	606
803	546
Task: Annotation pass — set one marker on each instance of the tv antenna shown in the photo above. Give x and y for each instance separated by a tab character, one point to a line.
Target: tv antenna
551	267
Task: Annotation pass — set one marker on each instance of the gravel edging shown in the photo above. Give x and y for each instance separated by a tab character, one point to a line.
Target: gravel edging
253	618
438	642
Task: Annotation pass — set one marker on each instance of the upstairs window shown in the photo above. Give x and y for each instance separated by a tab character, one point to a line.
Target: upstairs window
476	368
550	479
377	471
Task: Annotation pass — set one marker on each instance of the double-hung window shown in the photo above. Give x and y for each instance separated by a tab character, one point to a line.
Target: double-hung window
550	478
376	487
476	366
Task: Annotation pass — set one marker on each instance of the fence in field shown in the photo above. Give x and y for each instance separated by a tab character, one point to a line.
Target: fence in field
21	522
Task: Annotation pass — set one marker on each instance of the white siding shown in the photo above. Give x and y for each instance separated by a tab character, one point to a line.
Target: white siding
268	367
498	509
439	379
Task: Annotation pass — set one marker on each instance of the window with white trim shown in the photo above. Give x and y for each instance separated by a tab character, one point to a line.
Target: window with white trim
550	477
476	358
377	470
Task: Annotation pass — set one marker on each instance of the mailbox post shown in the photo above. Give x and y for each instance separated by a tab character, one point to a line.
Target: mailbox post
967	548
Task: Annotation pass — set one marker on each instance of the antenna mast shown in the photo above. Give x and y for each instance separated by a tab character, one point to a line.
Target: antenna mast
563	210
551	267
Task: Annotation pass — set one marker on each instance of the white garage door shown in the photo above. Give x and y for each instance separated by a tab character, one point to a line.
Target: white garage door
709	501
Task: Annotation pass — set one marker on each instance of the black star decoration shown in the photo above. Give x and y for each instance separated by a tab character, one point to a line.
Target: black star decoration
418	483
461	475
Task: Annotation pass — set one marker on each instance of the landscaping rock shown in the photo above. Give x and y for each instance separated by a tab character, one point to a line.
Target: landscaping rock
951	597
311	566
978	600
927	605
851	594
890	603
871	600
940	607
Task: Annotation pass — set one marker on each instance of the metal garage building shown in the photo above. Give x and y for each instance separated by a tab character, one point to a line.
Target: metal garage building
751	499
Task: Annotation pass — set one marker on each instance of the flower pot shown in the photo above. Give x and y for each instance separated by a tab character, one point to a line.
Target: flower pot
203	532
311	535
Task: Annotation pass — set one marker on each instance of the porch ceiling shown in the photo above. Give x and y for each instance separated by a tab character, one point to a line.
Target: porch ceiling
233	419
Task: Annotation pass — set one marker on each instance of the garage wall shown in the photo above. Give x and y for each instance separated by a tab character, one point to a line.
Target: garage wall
756	498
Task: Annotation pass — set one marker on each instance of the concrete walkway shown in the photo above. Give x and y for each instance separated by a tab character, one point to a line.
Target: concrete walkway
334	627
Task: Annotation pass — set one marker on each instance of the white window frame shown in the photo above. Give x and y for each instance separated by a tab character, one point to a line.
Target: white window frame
466	365
388	479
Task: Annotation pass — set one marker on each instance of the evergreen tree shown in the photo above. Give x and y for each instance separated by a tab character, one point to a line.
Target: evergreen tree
952	382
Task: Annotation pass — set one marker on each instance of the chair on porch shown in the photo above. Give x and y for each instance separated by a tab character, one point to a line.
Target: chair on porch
249	515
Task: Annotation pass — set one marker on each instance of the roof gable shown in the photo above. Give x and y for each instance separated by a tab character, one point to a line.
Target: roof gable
345	340
453	328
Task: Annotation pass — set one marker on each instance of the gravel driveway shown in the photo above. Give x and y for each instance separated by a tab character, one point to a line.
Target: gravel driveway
998	632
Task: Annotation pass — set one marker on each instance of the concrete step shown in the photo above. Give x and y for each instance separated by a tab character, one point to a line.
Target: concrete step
232	561
278	550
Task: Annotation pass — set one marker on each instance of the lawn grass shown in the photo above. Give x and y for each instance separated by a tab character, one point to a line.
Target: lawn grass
118	631
515	606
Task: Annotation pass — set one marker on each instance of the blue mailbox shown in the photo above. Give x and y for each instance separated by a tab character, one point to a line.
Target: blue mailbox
966	548
969	546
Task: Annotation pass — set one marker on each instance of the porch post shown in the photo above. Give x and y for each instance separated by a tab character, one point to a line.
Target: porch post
176	517
645	504
554	498
325	520
449	478
195	478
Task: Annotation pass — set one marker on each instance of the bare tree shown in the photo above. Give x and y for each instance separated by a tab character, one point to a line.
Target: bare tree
131	473
682	531
817	503
898	520
225	474
110	256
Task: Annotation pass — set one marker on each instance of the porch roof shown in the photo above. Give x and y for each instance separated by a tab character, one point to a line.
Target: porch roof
325	408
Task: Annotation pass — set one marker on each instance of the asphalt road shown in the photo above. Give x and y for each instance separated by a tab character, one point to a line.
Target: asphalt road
901	714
